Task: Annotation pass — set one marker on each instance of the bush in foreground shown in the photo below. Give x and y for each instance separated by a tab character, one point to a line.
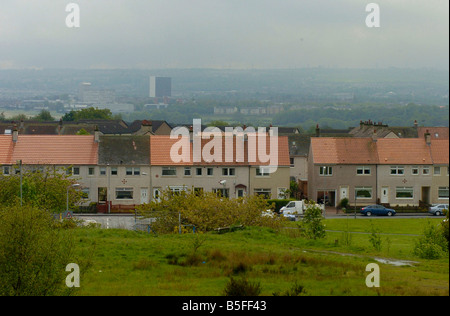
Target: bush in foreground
33	253
206	211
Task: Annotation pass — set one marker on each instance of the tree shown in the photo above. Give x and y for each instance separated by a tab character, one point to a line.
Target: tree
89	114
311	224
206	211
44	115
45	189
33	253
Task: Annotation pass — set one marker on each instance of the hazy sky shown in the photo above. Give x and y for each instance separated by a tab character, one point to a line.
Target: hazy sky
224	34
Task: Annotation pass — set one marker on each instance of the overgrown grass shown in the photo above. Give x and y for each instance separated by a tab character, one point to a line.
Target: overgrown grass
137	263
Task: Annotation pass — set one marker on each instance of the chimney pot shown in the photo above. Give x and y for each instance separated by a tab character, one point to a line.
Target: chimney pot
15	134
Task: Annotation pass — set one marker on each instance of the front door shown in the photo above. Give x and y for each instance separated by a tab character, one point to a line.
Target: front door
384	195
343	193
144	195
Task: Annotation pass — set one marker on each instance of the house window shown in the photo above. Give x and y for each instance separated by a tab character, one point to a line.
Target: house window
291	160
85	193
210	171
326	171
404	193
76	171
443	192
91	171
124	193
169	171
282	193
426	170
267	193
363	170
363	192
228	171
262	171
133	171
198	171
114	171
187	171
6	170
437	171
415	170
397	170
177	189
103	171
222	192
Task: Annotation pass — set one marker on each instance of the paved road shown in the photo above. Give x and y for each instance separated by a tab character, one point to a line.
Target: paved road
129	221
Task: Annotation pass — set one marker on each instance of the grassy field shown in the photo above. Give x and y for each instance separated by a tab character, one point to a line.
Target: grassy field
137	263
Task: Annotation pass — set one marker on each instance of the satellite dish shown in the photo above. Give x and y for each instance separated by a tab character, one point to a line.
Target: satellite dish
223	181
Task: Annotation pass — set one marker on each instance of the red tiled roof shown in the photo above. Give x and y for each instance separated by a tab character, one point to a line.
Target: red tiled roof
435	132
282	149
53	149
343	150
439	151
160	147
406	151
6	150
160	150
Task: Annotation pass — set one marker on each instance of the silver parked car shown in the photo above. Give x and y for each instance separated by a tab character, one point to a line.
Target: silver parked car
438	209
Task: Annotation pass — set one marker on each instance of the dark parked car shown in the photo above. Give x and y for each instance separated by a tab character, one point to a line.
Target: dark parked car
377	210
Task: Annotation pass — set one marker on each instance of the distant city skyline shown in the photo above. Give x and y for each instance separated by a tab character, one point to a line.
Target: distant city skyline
224	34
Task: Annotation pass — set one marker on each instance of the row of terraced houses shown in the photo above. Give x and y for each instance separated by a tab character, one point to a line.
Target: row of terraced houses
119	171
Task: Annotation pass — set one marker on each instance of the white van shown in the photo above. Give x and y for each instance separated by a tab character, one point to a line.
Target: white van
293	208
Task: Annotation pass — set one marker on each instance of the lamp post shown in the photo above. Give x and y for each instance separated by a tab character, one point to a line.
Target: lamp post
75	185
20	170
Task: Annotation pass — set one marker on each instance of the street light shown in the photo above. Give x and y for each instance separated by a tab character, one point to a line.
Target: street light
75	185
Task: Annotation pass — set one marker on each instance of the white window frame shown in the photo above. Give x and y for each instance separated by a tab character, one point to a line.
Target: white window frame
262	171
438	169
172	169
395	171
368	189
363	171
325	171
124	189
227	172
404	189
445	189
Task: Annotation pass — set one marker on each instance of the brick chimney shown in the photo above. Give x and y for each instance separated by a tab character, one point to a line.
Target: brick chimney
374	136
97	135
317	131
427	137
15	134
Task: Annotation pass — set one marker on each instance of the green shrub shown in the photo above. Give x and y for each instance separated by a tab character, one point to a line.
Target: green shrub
311	225
242	287
295	290
432	244
375	238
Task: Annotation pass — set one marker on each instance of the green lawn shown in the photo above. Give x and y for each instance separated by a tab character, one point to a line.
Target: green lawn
137	263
